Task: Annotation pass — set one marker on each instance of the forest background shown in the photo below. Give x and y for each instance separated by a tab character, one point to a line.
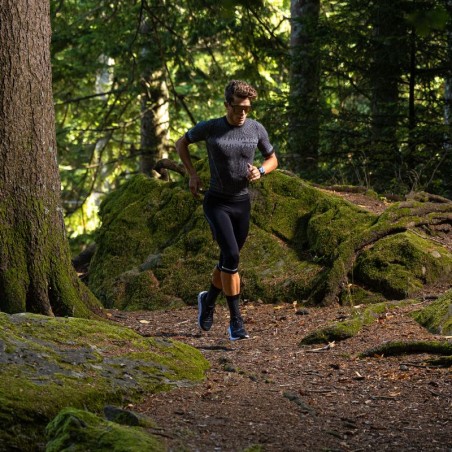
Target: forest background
351	92
355	93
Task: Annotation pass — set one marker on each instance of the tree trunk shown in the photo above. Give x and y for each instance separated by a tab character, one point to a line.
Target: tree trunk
385	77
304	88
36	274
154	121
448	85
412	120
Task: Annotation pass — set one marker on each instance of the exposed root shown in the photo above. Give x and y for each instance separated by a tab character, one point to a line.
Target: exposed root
410	347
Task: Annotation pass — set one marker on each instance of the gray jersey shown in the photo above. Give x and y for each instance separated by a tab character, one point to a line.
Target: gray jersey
230	149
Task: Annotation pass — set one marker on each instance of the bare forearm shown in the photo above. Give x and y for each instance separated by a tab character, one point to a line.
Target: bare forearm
270	163
184	154
194	183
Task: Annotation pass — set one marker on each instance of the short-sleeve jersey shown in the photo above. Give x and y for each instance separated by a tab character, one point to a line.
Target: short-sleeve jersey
230	149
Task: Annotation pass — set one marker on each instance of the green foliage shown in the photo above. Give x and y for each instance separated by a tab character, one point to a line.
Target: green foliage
101	51
411	152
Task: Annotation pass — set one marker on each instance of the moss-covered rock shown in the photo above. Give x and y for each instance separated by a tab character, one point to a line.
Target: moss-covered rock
77	430
437	316
155	249
399	265
50	363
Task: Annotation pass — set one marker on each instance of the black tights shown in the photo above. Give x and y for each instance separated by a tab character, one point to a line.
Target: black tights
229	221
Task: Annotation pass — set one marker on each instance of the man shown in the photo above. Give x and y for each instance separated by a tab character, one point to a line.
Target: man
231	143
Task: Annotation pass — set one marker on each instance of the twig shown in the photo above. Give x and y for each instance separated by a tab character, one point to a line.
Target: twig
322	349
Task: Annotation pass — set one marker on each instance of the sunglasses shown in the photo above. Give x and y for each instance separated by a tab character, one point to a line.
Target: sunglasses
237	109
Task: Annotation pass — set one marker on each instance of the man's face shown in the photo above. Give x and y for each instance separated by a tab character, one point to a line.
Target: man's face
237	110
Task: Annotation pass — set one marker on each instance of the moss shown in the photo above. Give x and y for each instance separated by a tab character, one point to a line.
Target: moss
272	271
140	290
78	430
353	295
437	316
443	361
339	331
52	363
331	223
254	448
37	274
399	265
409	347
136	213
302	246
182	254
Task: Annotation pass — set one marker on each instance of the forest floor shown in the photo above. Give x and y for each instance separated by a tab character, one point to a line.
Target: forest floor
268	393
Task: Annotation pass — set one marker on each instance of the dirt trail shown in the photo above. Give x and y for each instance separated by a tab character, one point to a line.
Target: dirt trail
270	393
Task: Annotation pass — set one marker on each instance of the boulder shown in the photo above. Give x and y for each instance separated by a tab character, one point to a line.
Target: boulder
47	364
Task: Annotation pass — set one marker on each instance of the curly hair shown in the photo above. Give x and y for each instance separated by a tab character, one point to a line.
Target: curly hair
239	89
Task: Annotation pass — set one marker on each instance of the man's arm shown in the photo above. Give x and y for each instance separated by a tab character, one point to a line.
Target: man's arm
194	181
270	164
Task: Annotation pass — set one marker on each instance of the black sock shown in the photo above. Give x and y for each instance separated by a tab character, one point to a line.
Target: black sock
212	295
233	304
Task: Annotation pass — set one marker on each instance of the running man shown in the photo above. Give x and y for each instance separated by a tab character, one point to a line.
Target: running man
231	143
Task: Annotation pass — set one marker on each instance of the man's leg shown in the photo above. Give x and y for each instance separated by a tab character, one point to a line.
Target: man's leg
230	283
216	286
207	299
231	288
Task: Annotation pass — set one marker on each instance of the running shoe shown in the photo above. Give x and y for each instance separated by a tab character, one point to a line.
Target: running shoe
205	313
236	330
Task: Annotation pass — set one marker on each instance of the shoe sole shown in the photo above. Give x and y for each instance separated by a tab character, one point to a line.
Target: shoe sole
231	338
200	295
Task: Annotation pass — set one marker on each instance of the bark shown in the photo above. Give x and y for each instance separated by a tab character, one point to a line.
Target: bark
36	274
154	107
448	86
387	49
304	88
154	122
162	167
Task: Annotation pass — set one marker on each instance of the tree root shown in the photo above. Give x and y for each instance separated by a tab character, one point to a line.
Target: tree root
410	347
405	216
348	328
443	361
163	165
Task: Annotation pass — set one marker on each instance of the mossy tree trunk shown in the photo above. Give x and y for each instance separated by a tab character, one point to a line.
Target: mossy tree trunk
36	274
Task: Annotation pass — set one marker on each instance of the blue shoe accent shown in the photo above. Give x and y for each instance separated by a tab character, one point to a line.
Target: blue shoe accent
236	330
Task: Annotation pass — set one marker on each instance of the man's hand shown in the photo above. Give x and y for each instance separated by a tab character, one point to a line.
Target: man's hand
195	184
253	173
